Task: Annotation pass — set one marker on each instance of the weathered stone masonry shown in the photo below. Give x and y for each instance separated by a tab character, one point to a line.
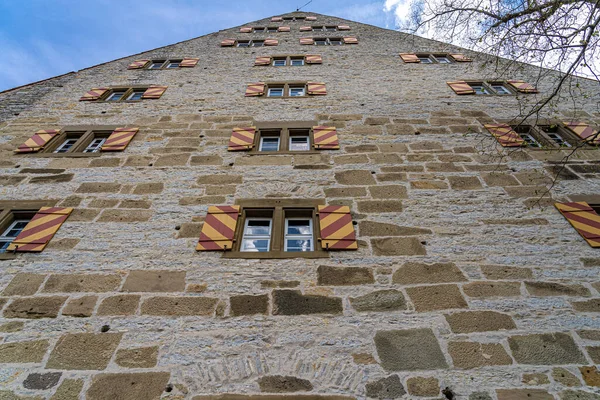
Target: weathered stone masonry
466	279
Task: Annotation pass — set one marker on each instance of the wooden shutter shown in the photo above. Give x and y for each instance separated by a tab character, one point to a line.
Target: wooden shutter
305	28
137	64
461	87
584	219
350	40
409	58
42	227
37	141
584	131
316	88
460	58
325	138
283	29
276	19
313	59
505	135
522	86
246	30
119	139
337	232
262	61
154	92
227	42
255	89
93	94
310	18
242	139
188	62
307	41
271	42
218	230
343	28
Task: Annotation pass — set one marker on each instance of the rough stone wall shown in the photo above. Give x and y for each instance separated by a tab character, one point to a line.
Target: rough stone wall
461	283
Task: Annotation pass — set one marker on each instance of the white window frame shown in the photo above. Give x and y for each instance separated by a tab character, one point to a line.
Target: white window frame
428	58
9	239
446	58
561	142
307	137
503	92
254	42
256	237
300	60
301	88
271	91
280	60
159	64
171	63
529	139
130	97
338	42
68	141
114	93
260	148
287	236
483	88
247	43
95	145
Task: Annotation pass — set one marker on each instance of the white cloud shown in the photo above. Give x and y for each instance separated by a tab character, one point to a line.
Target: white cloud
400	9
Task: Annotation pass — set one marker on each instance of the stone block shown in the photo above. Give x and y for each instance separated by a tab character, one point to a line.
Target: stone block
84	351
24	284
69	389
414	273
373	228
340	276
363	148
523	394
423	386
283	384
492	289
149	188
133	386
556	289
124	304
499	179
388	192
72	283
223	189
345	192
179	306
141	357
105	162
82	214
469	355
590	375
433	298
138	161
444	167
98	187
135	204
535	379
103	203
592	305
125	216
398	246
351	159
45	381
377	120
355	177
505	272
32	351
53	178
80	307
545	349
385	388
385	158
221	179
270	284
380	300
479	321
363	359
155	281
409	350
565	377
189	230
589	334
392	177
578	395
261	159
429	185
293	302
196	200
35	307
426	146
464	182
12	326
11	180
249	304
400	129
393	148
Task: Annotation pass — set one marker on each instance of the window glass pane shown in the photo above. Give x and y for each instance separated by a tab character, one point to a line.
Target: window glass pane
443	60
258	227
299	227
425	60
297	62
156	64
559	140
65	146
269	144
115	96
257	43
296	91
275	92
95	145
335	42
3	245
299	143
530	140
320	42
255	245
500	89
279	63
479	89
298	245
271	29
11	233
135	96
243	44
331	28
173	64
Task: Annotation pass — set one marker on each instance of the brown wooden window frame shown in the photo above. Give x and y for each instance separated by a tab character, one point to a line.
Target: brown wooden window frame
11	210
84	135
283	130
128	91
278	210
286	89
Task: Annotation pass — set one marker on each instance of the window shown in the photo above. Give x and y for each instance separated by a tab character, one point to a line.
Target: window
173	64
328	41
275	92
293	18
296	91
297	61
257	235
269	143
14	217
257	43
299	140
243	43
503	88
133	94
280	62
95	145
156	64
479	88
12	231
66	146
116	95
499	88
287	90
271	29
527	134
557	135
136	95
442	59
298	234
74	141
278	137
425	59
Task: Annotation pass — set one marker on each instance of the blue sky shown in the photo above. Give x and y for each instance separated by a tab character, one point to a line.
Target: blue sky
44	38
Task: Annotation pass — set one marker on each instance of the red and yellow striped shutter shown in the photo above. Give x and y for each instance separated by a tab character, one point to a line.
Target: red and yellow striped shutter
310	18
271	42
262	61
307	41
337	232
37	141
305	28
325	138
343	28
350	40
218	230
316	88
119	139
154	92
584	219
522	86
505	135
460	58
584	131
313	59
42	227
409	58
227	42
242	139
461	87
137	64
276	19
255	89
246	29
188	62
283	29
93	94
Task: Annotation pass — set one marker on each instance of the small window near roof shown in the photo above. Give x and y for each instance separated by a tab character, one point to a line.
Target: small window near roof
272	29
479	88
425	59
257	43
442	59
279	62
269	143
257	235
243	43
275	92
297	61
336	42
136	95
500	88
156	64
331	28
321	42
174	64
116	95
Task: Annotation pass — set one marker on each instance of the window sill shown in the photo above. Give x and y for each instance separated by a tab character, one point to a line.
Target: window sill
275	254
66	155
7	256
286	153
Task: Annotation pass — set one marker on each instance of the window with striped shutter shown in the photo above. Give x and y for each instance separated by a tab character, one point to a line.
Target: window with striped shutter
37	141
188	62
584	219
409	58
335	225
262	61
522	86
119	139
350	40
461	87
313	59
227	42
271	42
94	94
316	88
255	89
460	58
137	64
242	139
39	231
505	135
308	41
584	131
325	138
218	231
154	92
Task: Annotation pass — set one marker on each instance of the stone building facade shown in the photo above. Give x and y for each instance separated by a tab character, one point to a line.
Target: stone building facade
466	282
